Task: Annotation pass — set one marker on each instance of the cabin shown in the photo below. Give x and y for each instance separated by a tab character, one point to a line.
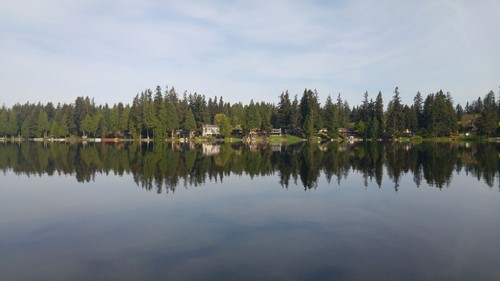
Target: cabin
275	132
185	134
210	131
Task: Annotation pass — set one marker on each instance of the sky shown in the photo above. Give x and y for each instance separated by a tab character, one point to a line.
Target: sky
55	51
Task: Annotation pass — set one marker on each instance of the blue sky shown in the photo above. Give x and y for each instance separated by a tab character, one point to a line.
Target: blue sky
53	50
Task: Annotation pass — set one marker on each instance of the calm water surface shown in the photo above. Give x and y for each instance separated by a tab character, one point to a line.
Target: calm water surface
232	212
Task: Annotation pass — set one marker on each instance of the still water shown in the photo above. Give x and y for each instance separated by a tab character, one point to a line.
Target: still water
232	212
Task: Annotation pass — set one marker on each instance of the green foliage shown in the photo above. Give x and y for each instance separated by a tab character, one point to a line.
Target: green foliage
439	118
395	116
3	121
190	122
171	119
487	122
222	121
252	118
434	117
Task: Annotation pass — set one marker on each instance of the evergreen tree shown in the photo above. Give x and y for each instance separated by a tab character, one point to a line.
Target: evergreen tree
172	121
395	116
13	127
54	129
459	112
112	115
162	119
189	123
252	117
487	122
331	115
149	113
295	116
198	105
158	100
284	110
3	121
309	106
308	126
237	113
265	111
379	114
439	116
42	124
63	126
418	109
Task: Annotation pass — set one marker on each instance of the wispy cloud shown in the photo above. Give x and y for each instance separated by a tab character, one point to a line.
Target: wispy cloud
56	50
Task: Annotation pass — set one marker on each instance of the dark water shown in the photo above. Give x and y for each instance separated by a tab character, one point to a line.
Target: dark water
233	212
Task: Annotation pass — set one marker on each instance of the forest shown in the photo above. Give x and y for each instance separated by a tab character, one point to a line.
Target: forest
159	113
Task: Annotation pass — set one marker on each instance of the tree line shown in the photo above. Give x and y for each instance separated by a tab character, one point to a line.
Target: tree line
159	113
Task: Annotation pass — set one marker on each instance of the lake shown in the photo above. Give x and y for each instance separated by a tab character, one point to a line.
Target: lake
129	211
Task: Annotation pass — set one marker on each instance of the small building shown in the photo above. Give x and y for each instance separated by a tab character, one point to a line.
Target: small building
275	132
185	134
210	131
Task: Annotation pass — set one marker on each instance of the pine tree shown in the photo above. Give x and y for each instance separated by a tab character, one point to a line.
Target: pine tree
189	123
149	113
42	124
487	122
284	110
418	109
252	119
172	121
3	121
379	114
395	116
63	126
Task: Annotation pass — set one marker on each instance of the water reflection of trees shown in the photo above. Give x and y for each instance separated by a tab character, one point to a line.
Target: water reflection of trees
167	166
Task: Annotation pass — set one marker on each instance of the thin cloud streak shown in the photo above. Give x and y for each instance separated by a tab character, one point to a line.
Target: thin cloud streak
57	50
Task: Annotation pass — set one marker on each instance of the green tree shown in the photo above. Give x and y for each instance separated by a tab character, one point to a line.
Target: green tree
63	126
3	121
331	113
54	129
418	103
161	128
395	116
295	115
309	127
149	113
190	122
439	115
112	116
171	119
237	113
379	115
284	110
252	117
222	121
124	120
309	106
487	122
135	117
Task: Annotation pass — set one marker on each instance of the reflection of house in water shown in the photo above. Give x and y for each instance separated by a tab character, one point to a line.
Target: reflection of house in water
276	147
209	149
210	131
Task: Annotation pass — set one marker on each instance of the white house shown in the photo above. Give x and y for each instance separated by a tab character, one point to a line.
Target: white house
210	130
